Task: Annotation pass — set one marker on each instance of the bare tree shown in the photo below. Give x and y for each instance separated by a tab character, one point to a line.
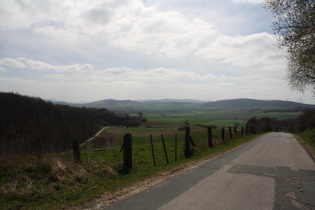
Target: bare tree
295	25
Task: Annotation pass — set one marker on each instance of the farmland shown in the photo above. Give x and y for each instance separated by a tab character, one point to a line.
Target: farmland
168	125
221	116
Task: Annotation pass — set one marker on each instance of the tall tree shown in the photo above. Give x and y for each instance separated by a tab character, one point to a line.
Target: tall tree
295	25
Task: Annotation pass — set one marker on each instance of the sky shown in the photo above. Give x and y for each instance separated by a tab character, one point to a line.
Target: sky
83	51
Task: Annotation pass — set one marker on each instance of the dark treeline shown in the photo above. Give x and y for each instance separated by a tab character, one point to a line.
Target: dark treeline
304	121
27	121
295	109
263	124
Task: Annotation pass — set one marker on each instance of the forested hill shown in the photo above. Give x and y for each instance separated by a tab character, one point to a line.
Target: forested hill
24	119
237	103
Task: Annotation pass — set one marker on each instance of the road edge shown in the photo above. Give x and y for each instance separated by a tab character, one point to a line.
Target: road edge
306	147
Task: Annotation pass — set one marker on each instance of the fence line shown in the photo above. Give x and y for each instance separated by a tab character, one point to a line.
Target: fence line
189	144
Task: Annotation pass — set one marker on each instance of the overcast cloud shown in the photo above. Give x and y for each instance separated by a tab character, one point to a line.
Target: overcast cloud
132	49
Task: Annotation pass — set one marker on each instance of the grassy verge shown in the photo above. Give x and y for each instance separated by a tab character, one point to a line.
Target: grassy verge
307	139
55	181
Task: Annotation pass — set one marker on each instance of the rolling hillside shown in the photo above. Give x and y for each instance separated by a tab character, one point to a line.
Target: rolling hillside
187	104
114	104
129	105
237	103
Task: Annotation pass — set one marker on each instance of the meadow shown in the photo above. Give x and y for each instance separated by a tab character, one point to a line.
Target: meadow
221	117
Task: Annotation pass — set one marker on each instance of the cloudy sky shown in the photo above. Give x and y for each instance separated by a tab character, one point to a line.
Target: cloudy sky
81	50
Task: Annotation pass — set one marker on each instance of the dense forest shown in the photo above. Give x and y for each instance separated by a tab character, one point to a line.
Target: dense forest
26	121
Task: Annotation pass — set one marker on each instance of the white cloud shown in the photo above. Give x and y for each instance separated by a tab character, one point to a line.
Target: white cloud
130	25
168	33
248	1
256	51
26	14
3	69
11	62
24	63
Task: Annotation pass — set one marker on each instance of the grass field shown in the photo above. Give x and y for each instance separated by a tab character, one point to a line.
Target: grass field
221	117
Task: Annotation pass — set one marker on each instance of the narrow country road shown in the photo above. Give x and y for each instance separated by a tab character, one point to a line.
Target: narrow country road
270	172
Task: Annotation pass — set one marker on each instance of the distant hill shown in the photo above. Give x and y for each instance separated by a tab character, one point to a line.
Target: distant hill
237	103
186	104
172	101
130	105
114	104
172	104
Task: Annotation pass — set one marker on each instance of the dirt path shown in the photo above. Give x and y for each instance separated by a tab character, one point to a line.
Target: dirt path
96	135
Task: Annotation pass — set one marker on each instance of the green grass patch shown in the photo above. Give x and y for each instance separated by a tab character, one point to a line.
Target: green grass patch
309	137
221	117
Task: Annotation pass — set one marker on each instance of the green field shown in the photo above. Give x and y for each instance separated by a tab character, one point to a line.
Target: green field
221	117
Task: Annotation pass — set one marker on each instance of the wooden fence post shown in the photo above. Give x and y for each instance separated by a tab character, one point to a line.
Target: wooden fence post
175	146
210	137
165	152
127	151
222	135
152	149
187	146
76	150
230	132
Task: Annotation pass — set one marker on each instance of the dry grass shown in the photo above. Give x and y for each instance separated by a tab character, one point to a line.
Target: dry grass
31	178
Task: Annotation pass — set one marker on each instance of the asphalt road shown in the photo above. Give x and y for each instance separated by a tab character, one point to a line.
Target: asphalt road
270	172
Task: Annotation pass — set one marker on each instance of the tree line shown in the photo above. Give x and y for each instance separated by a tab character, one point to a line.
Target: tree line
305	121
25	121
